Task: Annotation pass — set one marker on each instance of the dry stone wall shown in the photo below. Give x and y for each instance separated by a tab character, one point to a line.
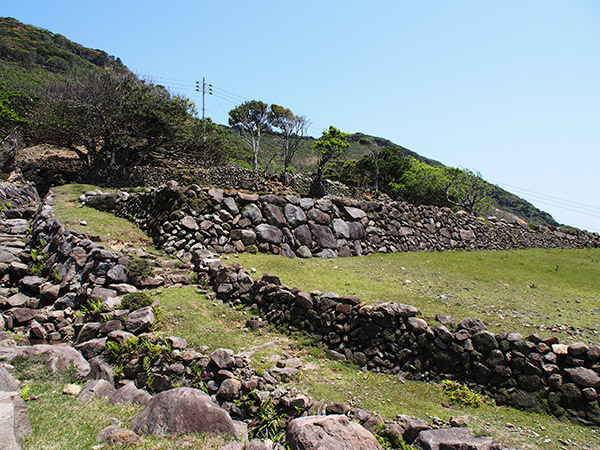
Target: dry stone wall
184	219
526	372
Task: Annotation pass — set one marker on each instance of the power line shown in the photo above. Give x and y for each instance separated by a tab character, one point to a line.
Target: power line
596	208
555	202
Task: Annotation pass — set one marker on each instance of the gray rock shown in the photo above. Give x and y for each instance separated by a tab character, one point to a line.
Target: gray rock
96	388
355	213
17	300
223	358
32	283
295	215
252	213
471	324
189	223
230	206
57	357
484	341
216	194
89	331
114	434
326	253
229	388
7	382
117	274
584	377
179	411
341	229
14	420
140	320
274	216
269	234
432	439
318	216
304	252
357	230
334	432
304	236
323	236
129	393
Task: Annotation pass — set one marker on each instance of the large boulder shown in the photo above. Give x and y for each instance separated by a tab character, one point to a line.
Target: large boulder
58	357
140	320
14	420
334	432
179	411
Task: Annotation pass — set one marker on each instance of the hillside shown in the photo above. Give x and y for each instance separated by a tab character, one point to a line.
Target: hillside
32	57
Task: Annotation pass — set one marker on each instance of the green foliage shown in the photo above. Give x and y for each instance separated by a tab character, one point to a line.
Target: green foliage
389	441
94	306
271	424
122	351
139	267
330	146
136	300
39	256
459	393
25	392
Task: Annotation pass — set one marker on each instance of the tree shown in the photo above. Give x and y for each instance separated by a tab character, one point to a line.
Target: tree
377	153
330	145
14	106
251	118
422	184
108	117
292	129
202	141
468	190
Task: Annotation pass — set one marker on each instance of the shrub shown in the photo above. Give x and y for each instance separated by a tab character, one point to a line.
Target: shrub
139	267
136	300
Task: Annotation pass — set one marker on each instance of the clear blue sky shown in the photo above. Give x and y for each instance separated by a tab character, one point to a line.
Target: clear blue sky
510	88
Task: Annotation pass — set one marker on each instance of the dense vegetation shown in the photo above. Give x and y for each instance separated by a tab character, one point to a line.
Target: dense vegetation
54	91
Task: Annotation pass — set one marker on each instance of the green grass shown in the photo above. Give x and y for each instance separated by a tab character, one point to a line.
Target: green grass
114	231
542	291
204	322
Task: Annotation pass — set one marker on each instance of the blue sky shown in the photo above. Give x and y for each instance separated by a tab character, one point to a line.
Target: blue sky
510	89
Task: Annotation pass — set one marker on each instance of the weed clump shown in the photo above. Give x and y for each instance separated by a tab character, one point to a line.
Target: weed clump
459	393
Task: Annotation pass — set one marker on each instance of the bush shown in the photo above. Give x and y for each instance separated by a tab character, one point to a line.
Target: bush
139	267
136	300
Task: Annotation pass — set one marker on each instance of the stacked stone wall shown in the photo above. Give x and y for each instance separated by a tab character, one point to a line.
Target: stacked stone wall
184	219
529	373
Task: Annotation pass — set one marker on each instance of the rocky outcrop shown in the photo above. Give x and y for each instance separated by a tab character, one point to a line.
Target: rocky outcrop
182	410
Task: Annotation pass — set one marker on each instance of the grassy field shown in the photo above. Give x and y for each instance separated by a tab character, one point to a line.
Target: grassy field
529	291
114	232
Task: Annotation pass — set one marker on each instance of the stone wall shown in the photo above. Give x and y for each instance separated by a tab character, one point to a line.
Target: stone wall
183	219
528	373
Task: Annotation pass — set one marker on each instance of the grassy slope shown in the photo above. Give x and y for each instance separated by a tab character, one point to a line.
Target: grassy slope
204	322
526	291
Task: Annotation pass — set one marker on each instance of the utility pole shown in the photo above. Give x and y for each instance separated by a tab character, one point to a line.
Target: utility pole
205	88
